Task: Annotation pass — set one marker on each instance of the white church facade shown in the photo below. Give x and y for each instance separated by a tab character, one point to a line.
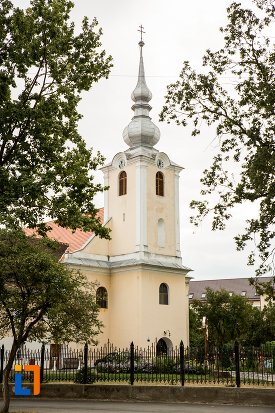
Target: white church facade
143	286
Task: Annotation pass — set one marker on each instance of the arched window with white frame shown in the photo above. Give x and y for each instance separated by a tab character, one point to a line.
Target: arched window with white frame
163	294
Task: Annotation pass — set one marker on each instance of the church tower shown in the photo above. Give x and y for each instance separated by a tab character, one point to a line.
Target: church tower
144	185
140	270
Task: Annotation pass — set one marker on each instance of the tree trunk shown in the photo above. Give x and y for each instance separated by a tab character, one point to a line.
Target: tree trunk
5	386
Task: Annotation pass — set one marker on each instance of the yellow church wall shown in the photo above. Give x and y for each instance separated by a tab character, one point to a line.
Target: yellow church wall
102	278
122	209
98	246
161	207
135	312
125	309
157	318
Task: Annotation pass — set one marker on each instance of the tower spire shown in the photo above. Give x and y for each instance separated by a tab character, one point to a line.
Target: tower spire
141	131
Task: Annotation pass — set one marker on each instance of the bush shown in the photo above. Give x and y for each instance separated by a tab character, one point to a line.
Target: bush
226	356
251	359
164	365
91	376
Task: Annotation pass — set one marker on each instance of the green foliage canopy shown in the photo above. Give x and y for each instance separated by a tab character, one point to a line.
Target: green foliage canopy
244	121
196	336
45	166
230	318
41	298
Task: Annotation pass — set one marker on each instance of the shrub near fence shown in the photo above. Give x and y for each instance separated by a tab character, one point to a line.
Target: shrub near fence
231	365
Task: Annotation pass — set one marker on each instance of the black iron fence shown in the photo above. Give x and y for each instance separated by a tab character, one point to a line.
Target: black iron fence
231	365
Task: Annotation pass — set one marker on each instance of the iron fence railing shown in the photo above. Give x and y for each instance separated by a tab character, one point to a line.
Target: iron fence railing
233	365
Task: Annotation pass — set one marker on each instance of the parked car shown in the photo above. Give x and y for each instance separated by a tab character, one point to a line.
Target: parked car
110	357
115	362
192	369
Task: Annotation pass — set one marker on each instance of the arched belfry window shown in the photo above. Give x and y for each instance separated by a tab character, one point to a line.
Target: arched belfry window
159	184
102	297
163	294
122	183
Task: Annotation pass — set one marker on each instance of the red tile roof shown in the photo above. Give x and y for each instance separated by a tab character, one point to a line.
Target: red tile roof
75	239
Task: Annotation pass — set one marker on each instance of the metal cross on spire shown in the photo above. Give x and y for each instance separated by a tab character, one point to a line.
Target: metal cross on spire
141	43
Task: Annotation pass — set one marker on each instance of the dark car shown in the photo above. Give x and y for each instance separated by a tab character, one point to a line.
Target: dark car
188	369
115	363
110	357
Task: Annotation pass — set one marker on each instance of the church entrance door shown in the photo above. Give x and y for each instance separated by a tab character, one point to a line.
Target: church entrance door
161	347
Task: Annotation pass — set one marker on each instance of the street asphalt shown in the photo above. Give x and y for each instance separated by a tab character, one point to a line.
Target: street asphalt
84	406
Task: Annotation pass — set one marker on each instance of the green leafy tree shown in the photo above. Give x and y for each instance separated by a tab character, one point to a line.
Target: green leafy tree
196	336
258	331
266	288
45	165
244	122
269	319
229	316
40	298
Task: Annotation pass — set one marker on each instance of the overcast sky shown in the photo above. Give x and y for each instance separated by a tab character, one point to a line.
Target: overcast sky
176	30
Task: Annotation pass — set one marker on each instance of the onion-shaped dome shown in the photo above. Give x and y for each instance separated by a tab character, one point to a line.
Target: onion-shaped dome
141	131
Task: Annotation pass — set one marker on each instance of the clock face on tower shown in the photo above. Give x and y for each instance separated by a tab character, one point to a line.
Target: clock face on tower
160	163
121	164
